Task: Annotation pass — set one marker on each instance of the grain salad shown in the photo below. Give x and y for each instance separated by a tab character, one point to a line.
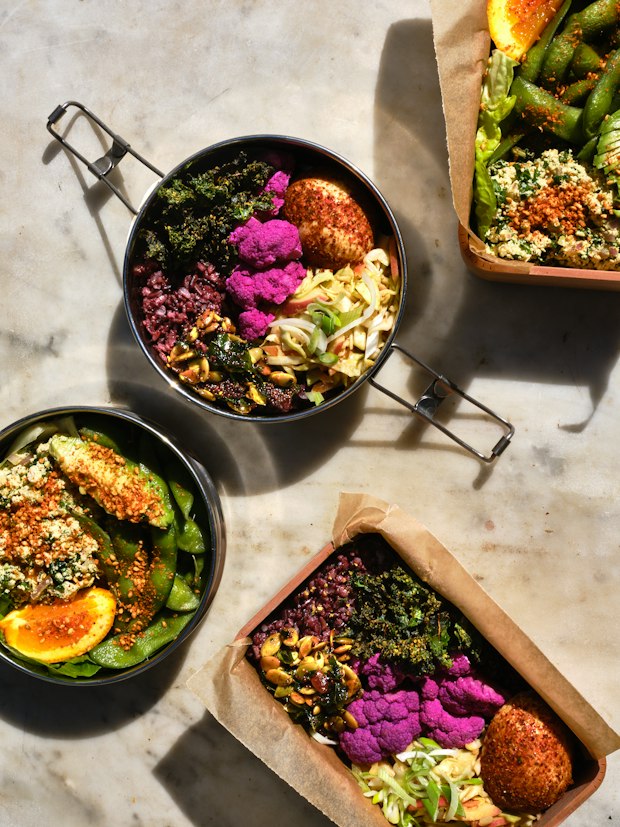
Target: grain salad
553	209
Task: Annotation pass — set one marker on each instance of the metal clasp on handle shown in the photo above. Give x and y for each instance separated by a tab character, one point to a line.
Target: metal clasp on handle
438	390
102	166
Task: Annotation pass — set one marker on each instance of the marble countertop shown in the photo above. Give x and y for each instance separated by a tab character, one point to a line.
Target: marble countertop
539	528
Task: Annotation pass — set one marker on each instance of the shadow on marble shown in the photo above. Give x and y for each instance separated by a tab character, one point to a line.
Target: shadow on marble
65	711
208	771
523	333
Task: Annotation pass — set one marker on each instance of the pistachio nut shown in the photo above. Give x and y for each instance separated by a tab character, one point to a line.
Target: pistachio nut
270	645
279	677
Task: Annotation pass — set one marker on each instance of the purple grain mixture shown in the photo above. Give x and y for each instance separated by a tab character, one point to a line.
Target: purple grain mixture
169	310
325	600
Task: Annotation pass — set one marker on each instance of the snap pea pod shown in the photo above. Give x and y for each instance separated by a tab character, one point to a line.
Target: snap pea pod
100	438
540	108
581	26
105	549
599	102
163	566
586	153
577	91
190	537
504	147
586	61
531	66
140	586
182	597
111	654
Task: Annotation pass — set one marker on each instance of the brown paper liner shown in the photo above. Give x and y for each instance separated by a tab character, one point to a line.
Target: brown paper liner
462	45
231	690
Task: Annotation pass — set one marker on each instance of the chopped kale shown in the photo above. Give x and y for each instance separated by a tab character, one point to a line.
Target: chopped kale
408	622
197	213
230	354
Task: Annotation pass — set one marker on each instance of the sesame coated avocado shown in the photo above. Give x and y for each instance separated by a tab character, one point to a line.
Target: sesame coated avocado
123	488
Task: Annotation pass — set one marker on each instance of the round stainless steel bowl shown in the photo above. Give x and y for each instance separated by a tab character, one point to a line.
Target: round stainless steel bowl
307	156
207	512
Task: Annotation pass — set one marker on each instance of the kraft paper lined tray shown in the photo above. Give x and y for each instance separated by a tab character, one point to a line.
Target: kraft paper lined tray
231	690
462	47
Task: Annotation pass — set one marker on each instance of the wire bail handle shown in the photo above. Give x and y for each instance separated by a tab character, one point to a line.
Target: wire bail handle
439	389
104	165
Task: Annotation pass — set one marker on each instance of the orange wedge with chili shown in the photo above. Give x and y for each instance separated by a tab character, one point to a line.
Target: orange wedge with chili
61	630
515	25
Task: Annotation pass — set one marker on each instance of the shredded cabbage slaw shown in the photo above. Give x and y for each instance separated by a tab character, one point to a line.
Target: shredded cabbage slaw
427	785
338	325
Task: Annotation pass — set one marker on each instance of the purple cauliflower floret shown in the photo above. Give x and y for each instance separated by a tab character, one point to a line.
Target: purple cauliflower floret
249	288
460	666
388	723
450	731
277	186
468	695
240	288
252	324
382	675
262	245
278	283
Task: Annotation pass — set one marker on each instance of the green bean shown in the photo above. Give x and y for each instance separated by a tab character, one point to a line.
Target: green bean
111	654
586	61
577	91
600	99
531	66
540	108
581	26
182	597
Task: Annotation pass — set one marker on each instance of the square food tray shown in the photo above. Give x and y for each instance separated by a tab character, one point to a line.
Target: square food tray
504	271
589	773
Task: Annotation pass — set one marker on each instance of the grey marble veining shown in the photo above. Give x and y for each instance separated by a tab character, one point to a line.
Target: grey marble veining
539	529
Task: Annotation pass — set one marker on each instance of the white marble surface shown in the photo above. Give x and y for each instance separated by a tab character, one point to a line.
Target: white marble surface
539	529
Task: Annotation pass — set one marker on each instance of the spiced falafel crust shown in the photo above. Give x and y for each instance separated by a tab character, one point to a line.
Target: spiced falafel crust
527	755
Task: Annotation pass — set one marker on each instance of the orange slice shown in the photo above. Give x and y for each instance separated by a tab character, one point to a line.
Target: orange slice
515	25
61	630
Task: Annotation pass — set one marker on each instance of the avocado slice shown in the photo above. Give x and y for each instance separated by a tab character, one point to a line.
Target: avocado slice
607	156
123	488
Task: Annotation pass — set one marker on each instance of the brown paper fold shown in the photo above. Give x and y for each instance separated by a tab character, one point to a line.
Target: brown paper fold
231	690
462	44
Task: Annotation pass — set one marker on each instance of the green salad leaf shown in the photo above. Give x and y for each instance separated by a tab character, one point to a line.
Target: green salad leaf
496	104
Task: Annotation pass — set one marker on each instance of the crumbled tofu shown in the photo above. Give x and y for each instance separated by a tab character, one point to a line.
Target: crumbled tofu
554	210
